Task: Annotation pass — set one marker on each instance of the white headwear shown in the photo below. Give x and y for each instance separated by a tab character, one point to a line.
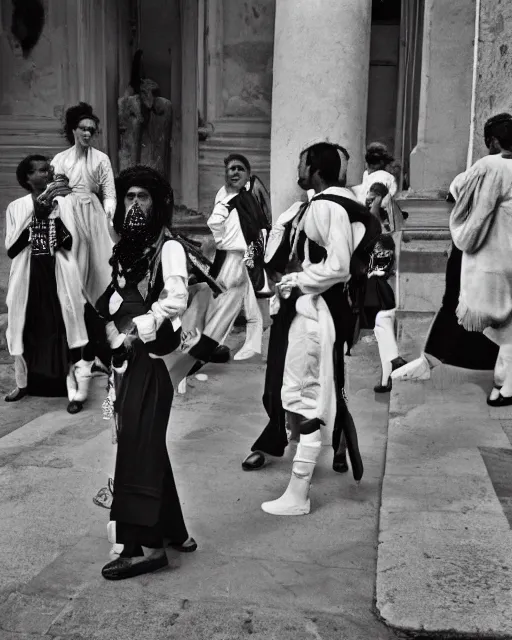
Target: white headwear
341	152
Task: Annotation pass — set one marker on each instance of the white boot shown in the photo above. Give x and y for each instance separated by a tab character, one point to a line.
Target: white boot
116	549
71	383
295	500
253	329
83	376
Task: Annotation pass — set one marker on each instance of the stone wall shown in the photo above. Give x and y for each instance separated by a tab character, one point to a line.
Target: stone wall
81	55
445	103
239	66
248	58
493	90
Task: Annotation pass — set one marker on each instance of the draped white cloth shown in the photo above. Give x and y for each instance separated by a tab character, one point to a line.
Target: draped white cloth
308	382
233	275
69	286
481	227
89	174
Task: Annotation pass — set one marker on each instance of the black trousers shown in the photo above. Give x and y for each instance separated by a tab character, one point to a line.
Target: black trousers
274	439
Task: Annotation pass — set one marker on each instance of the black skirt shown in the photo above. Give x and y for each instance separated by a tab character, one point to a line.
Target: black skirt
46	350
379	296
448	341
146	506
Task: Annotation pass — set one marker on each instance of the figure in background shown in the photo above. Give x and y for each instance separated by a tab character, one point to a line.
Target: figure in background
481	227
145	123
239	227
143	306
90	177
87	212
379	302
46	330
378	164
313	244
450	341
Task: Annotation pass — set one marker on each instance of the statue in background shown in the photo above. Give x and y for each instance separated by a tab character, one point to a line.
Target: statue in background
145	123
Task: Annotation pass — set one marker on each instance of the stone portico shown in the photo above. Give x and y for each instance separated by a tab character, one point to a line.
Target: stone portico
264	77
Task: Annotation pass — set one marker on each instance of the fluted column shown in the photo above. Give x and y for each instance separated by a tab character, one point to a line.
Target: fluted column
320	86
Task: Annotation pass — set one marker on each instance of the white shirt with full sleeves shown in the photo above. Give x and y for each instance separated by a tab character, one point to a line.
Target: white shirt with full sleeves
327	223
225	226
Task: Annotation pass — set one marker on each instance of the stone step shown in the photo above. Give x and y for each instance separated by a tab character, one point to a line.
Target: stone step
425	213
412	331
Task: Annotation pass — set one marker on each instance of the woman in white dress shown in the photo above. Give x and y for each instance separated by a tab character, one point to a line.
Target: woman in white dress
378	159
377	190
92	203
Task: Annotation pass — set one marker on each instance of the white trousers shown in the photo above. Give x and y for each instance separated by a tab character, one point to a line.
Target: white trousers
386	341
254	327
301	388
503	370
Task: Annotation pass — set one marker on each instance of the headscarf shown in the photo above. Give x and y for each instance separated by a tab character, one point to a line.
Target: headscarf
133	256
141	235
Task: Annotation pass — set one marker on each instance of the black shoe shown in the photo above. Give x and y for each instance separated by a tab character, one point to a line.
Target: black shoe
16	394
75	407
221	354
99	370
339	463
501	401
386	388
254	461
188	546
122	568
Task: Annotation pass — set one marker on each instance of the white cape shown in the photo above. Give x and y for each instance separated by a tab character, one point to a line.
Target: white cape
69	286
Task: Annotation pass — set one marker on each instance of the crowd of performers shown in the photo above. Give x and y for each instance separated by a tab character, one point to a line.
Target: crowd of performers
100	282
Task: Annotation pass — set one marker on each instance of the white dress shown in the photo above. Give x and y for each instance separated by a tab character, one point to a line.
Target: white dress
89	175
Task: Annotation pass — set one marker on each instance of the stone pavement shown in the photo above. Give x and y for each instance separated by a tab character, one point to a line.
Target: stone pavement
299	578
445	543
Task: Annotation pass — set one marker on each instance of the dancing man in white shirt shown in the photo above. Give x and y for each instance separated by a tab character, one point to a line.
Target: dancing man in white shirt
238	225
313	244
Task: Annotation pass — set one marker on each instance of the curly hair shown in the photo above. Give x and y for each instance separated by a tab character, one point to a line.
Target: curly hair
25	167
379	189
74	115
159	189
377	154
324	158
499	127
240	158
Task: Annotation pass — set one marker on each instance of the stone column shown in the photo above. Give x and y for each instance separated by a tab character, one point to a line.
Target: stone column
320	86
491	88
445	99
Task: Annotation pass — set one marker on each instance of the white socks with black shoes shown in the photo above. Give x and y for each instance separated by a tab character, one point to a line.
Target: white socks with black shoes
295	500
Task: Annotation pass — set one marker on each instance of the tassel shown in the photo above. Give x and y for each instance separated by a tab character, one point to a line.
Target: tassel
52	236
472	320
108	408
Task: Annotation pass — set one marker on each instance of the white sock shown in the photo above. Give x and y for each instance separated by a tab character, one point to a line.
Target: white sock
311	439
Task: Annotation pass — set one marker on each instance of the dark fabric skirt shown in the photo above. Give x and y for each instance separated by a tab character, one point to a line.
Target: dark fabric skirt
146	505
448	341
46	350
379	296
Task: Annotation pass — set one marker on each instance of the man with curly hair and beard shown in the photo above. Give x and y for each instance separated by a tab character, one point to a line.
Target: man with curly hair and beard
143	308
